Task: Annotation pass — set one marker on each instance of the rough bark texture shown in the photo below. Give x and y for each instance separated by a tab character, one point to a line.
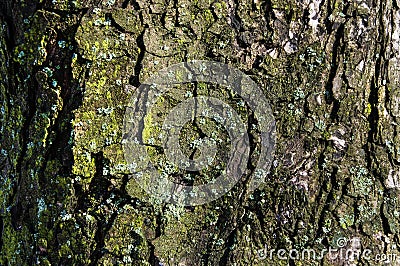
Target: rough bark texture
329	68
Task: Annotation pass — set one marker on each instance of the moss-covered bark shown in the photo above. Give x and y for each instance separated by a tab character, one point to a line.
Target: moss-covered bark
330	70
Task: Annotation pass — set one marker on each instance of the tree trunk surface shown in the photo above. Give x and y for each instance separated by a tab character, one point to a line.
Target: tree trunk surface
329	68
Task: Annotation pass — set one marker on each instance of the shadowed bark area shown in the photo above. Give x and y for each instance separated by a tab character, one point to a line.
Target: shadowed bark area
330	70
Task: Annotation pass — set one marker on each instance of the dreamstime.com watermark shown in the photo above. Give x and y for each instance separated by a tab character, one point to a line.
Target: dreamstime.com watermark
346	250
166	80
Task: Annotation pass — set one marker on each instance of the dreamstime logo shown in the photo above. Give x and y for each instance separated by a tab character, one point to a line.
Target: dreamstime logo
165	81
348	250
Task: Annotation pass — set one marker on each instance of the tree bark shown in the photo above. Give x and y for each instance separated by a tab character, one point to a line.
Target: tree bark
330	70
